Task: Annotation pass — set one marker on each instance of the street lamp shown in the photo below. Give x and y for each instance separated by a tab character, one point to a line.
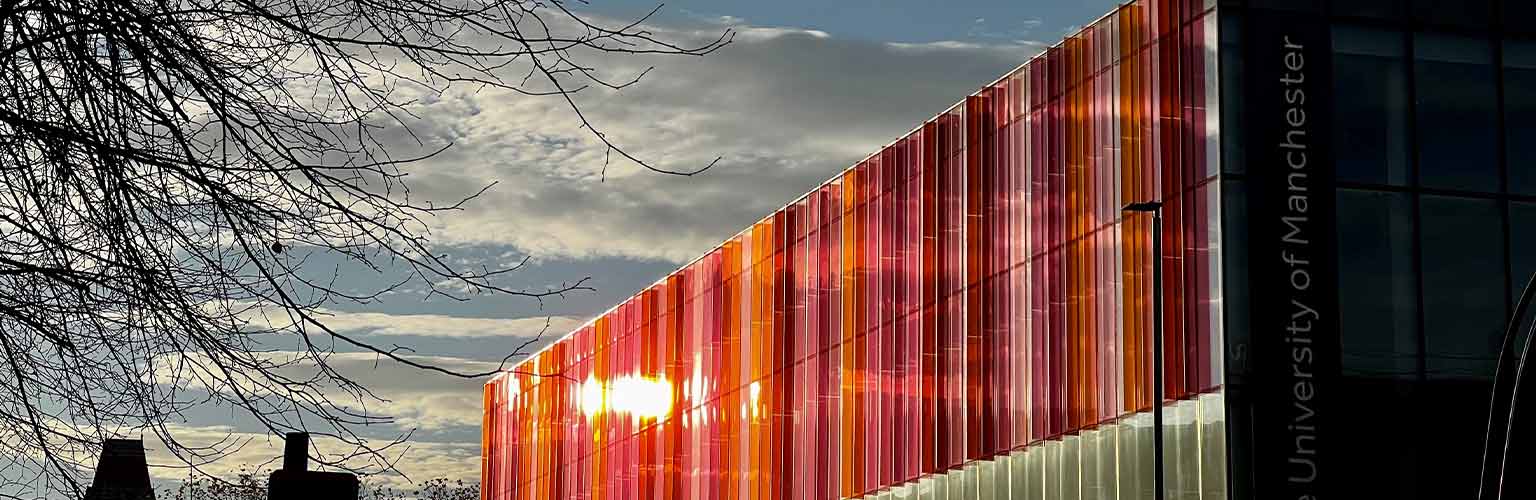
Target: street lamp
1156	209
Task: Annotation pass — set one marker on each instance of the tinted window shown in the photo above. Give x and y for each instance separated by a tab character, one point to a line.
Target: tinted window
1457	112
1520	115
1371	106
1377	9
1458	13
1522	243
1463	272
1378	294
1464	316
1378	304
1234	232
1522	252
1516	15
1296	5
1232	134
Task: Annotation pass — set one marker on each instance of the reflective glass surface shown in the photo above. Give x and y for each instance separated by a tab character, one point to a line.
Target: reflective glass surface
967	294
1378	293
1464	317
1463	273
1471	14
1371	105
1522	244
1374	9
1457	97
1522	252
1520	115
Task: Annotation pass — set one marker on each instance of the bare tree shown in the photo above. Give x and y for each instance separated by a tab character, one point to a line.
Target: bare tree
245	485
431	489
248	485
174	169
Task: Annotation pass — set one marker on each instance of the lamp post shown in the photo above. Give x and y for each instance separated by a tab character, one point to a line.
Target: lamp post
1156	209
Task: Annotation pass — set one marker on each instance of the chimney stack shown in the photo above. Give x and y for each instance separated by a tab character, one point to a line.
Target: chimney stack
295	480
296	452
122	473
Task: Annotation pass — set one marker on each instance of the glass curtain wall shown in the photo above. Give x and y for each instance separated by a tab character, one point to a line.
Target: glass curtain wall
1435	174
965	314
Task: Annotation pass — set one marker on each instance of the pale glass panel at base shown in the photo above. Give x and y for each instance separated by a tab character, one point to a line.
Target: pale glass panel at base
1099	481
1088	460
1135	438
1110	462
968	485
1182	452
1107	453
1213	446
1034	471
1018	475
1000	480
1052	477
925	489
986	481
1071	467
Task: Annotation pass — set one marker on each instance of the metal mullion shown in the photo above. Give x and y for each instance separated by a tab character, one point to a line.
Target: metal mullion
1502	153
1421	336
1370	186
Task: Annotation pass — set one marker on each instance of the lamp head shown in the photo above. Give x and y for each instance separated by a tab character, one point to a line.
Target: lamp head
1144	206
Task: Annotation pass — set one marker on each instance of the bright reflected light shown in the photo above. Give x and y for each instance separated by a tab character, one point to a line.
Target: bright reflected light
591	397
512	387
643	397
754	393
638	396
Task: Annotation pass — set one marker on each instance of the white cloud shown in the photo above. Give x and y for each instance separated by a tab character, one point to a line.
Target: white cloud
419	400
257	452
962	47
415	399
440	415
760	33
786	108
449	327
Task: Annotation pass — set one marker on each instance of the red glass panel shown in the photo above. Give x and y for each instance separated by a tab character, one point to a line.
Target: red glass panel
970	289
848	293
971	292
927	177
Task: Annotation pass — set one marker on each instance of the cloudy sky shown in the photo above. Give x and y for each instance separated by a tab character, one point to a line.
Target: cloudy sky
807	88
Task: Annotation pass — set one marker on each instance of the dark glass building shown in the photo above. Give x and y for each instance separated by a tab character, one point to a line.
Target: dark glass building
1419	163
1348	193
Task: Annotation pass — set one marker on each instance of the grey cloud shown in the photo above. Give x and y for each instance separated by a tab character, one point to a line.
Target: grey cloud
786	109
398	388
450	327
419	460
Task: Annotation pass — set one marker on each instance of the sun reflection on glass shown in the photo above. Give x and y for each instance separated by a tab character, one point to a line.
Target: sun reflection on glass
641	397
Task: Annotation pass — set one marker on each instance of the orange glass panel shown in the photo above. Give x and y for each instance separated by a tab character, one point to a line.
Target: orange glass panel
969	290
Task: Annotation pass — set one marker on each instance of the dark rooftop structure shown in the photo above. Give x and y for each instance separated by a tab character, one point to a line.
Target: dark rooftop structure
122	472
296	481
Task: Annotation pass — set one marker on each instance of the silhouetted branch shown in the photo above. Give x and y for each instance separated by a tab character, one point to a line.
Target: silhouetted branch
172	171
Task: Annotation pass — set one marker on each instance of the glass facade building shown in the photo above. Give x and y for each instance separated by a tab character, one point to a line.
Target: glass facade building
967	313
